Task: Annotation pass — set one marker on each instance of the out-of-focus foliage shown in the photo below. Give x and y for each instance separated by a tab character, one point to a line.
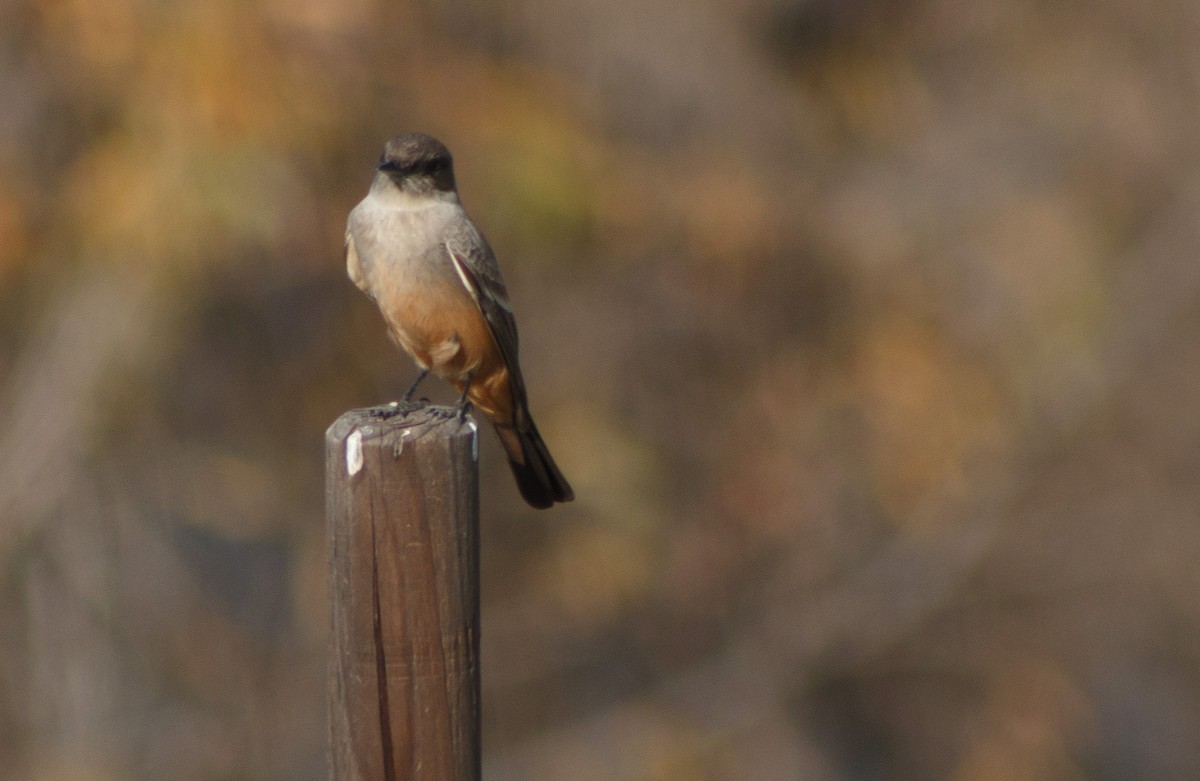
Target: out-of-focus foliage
868	333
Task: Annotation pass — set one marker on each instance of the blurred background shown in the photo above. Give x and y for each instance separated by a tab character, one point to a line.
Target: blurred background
867	332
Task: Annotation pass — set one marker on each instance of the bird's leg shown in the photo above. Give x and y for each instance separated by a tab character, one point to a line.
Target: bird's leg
463	407
405	405
413	388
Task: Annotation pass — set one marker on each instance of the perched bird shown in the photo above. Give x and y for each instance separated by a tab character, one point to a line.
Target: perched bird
411	247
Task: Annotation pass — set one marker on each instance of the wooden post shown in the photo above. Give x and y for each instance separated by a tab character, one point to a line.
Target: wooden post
402	508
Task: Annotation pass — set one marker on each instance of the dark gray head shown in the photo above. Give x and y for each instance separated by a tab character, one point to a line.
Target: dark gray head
418	163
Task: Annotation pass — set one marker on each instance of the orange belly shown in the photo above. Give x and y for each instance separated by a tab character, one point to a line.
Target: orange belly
444	331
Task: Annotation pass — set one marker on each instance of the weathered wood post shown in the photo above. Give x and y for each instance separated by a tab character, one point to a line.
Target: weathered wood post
402	508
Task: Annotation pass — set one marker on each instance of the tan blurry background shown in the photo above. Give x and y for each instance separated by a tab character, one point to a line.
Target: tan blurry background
868	333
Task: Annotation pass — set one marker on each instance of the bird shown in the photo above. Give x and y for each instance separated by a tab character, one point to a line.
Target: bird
411	247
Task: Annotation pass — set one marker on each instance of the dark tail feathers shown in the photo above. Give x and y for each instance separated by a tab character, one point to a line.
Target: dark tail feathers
538	478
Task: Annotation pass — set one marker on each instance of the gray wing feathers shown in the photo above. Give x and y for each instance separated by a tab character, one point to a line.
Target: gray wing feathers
476	267
354	266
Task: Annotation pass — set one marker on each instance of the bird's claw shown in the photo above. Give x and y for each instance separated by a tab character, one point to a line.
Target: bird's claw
460	411
397	408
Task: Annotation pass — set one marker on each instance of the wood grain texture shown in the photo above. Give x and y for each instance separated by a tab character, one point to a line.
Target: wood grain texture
404	589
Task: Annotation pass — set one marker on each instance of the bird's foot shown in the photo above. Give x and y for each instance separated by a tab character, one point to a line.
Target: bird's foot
459	411
397	408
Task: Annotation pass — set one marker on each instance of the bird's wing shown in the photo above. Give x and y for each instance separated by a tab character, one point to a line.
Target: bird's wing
354	267
476	267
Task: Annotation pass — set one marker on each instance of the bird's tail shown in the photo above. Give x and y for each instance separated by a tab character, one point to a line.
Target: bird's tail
538	478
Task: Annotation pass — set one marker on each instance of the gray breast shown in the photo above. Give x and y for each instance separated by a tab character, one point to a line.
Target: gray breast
406	245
